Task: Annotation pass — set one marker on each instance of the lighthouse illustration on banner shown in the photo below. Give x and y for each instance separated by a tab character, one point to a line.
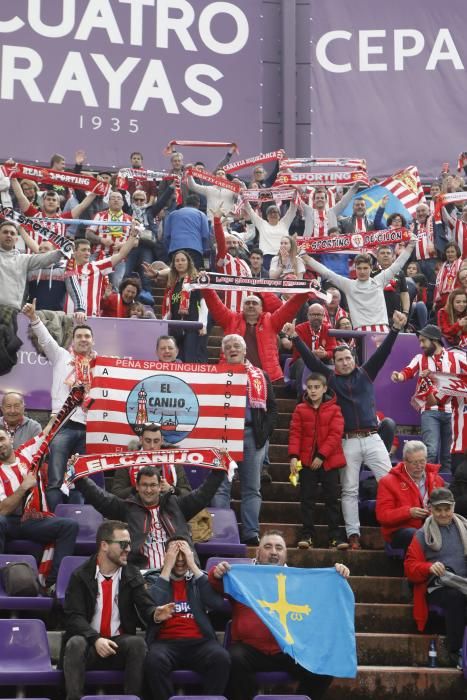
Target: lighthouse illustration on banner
167	400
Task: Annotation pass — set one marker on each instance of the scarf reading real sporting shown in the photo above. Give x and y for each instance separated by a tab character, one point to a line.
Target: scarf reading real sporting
60	242
213	280
354	241
49	176
207	458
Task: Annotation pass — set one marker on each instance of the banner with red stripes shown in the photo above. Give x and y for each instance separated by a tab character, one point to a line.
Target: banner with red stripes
197	405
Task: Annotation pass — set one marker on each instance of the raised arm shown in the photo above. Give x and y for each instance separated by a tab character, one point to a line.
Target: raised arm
82	206
23	201
131	242
340	281
388	274
310	360
375	363
338	208
289	215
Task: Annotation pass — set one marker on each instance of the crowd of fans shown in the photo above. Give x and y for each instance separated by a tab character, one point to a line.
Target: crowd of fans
177	228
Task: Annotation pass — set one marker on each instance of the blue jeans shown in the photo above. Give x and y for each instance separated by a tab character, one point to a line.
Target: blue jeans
61	531
69	440
249	472
134	264
401	539
437	436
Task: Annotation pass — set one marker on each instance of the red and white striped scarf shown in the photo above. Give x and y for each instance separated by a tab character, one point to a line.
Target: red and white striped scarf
168	150
257	388
425	238
185	294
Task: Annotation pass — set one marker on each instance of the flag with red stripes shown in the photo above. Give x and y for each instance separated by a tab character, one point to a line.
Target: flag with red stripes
196	405
407	187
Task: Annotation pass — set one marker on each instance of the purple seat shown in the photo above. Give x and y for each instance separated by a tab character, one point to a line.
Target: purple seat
104	678
67	566
186	677
196	476
287	380
88	519
225	540
25	655
393	552
99	479
464	653
24	547
8	602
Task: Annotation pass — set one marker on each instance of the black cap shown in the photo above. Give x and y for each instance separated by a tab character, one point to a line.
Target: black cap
431	332
441	496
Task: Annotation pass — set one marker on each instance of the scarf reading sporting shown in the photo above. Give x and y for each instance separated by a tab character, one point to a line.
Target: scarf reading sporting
213	280
48	176
449	198
208	458
212	179
185	294
168	150
267	194
254	160
35	505
60	242
322	178
355	163
354	241
257	388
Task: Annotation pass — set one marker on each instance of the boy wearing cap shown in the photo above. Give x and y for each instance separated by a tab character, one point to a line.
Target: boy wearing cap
438	547
435	410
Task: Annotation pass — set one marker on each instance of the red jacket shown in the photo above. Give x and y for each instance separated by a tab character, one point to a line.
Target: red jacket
397	494
113	306
246	625
314	340
317	432
417	570
267	328
453	332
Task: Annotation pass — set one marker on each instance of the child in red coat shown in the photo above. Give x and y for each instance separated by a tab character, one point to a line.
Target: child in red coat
315	438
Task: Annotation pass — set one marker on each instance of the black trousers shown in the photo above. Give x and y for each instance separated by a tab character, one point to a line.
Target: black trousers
246	660
80	657
309	482
206	656
454	603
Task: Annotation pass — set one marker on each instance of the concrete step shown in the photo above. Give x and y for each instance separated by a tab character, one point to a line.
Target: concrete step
381	589
400	683
398	649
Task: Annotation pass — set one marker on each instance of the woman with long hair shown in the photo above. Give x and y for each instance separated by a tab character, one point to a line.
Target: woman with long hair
180	304
286	261
453	318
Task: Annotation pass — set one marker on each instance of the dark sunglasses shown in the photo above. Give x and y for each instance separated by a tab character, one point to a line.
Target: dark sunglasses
124	544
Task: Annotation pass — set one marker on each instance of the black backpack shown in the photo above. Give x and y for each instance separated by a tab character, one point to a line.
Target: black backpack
19	579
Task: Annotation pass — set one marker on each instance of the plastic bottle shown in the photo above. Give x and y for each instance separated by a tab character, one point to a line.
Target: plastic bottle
432	654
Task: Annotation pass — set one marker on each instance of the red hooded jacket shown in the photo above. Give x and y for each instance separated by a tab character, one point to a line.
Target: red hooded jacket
267	328
397	494
327	341
318	432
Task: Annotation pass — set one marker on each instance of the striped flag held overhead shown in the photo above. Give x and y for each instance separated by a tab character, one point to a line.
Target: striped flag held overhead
197	405
407	187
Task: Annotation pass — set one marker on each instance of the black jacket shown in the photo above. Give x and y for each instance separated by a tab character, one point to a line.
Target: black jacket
134	602
201	598
174	511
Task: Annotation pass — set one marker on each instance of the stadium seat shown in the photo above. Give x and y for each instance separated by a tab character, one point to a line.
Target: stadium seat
195	476
67	566
225	539
24	547
88	519
109	697
280	697
104	678
25	655
194	697
8	602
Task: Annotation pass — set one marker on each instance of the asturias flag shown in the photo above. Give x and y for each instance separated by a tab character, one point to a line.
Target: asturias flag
373	196
310	612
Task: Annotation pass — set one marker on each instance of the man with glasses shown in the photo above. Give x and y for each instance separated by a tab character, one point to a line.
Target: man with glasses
403	494
105	601
315	334
152	514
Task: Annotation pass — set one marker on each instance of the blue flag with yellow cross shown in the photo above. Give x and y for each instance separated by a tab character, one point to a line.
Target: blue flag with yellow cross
310	612
373	197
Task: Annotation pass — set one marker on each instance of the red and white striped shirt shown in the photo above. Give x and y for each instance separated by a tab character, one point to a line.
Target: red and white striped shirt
238	267
448	361
110	234
12	475
446	278
425	240
57	228
459	425
91	280
154	545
